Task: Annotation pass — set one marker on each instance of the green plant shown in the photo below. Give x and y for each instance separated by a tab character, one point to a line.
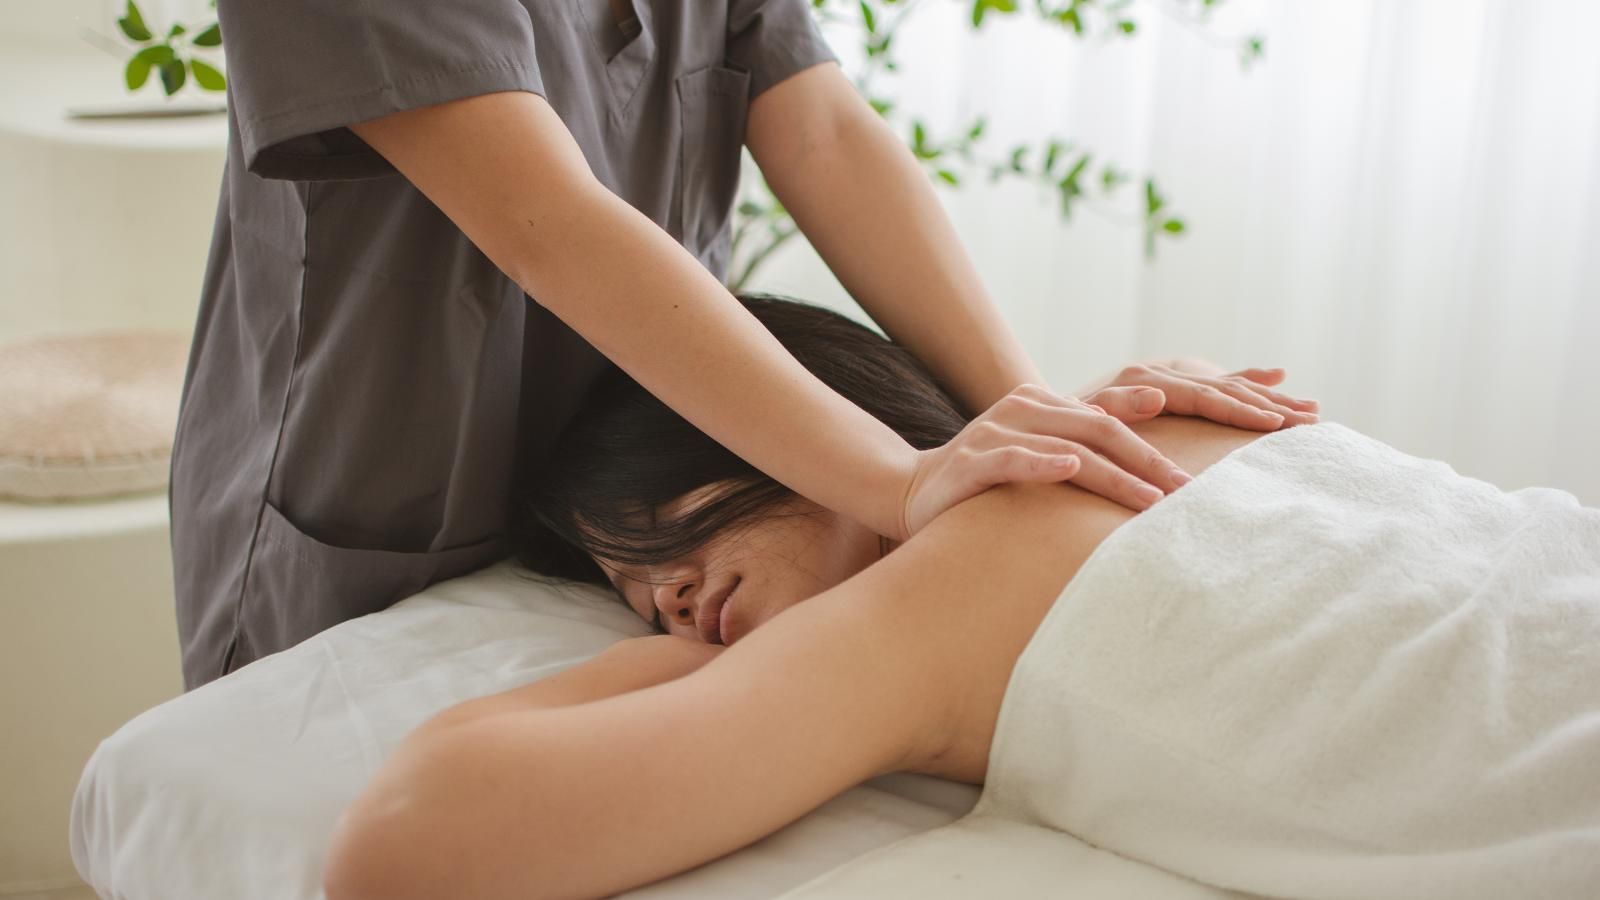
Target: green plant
1072	173
762	225
165	54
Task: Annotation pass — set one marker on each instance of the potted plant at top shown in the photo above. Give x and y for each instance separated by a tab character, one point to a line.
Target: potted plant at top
176	58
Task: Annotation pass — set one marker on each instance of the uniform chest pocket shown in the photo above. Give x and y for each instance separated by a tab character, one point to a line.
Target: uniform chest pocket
712	102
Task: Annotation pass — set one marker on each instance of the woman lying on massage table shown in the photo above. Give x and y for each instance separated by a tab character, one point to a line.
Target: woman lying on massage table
665	752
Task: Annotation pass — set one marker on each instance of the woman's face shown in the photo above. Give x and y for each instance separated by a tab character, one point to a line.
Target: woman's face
797	551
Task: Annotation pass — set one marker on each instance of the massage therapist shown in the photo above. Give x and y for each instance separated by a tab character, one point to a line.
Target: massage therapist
441	219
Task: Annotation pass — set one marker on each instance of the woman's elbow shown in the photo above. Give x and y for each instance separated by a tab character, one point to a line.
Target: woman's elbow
371	854
406	835
434	822
348	869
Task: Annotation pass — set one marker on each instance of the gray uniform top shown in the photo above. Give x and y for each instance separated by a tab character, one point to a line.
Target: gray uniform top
363	377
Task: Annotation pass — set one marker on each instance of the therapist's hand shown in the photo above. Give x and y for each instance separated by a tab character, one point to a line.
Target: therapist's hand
1034	434
1242	399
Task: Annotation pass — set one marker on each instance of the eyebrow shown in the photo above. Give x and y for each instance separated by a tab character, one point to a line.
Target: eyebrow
654	619
615	586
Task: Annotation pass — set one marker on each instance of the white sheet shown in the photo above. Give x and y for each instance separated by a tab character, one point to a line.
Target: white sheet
1324	669
230	792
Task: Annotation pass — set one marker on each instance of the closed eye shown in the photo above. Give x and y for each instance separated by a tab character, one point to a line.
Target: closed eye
655	620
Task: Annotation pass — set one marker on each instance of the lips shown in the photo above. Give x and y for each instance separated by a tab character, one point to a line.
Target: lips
708	618
725	617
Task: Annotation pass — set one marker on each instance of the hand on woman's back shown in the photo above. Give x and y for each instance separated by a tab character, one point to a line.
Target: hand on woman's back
1034	434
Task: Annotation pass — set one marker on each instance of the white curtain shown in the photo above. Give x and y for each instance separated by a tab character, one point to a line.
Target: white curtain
1400	204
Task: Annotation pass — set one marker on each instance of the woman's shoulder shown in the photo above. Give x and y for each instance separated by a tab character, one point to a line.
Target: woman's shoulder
962	598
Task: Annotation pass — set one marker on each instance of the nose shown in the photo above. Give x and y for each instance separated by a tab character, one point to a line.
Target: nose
677	599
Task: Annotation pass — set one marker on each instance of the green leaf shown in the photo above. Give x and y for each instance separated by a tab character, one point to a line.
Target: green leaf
1152	198
948	176
749	209
919	143
976	131
1068	193
1050	153
1076	170
173	75
982	7
211	37
177	29
156	55
867	17
1128	26
207	77
882	106
132	24
137	73
1017	155
1173	226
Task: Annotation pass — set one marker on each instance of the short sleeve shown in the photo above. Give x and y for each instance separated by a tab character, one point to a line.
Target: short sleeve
773	39
301	71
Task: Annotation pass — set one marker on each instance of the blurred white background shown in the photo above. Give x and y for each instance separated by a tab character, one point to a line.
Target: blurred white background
1400	204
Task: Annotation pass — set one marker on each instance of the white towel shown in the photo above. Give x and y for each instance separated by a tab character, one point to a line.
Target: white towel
1323	669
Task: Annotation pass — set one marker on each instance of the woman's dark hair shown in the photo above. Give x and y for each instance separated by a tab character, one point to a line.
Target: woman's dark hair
627	454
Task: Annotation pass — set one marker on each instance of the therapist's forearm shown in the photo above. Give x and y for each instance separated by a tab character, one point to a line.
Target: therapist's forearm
643	301
867	207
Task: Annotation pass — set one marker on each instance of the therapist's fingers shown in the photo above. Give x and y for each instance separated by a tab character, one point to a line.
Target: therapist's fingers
1242	391
1131	403
1192	396
1032	457
1101	476
1036	457
1108	436
1256	378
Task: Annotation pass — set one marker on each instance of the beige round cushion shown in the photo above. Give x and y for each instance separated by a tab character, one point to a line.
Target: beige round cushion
89	415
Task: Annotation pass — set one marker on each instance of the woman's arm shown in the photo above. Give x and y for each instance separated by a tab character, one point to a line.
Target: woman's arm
628	665
589	800
867	207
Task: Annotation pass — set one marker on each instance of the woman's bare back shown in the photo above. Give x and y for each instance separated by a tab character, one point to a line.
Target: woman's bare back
986	575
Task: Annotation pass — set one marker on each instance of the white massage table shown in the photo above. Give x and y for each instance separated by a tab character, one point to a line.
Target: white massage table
230	792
